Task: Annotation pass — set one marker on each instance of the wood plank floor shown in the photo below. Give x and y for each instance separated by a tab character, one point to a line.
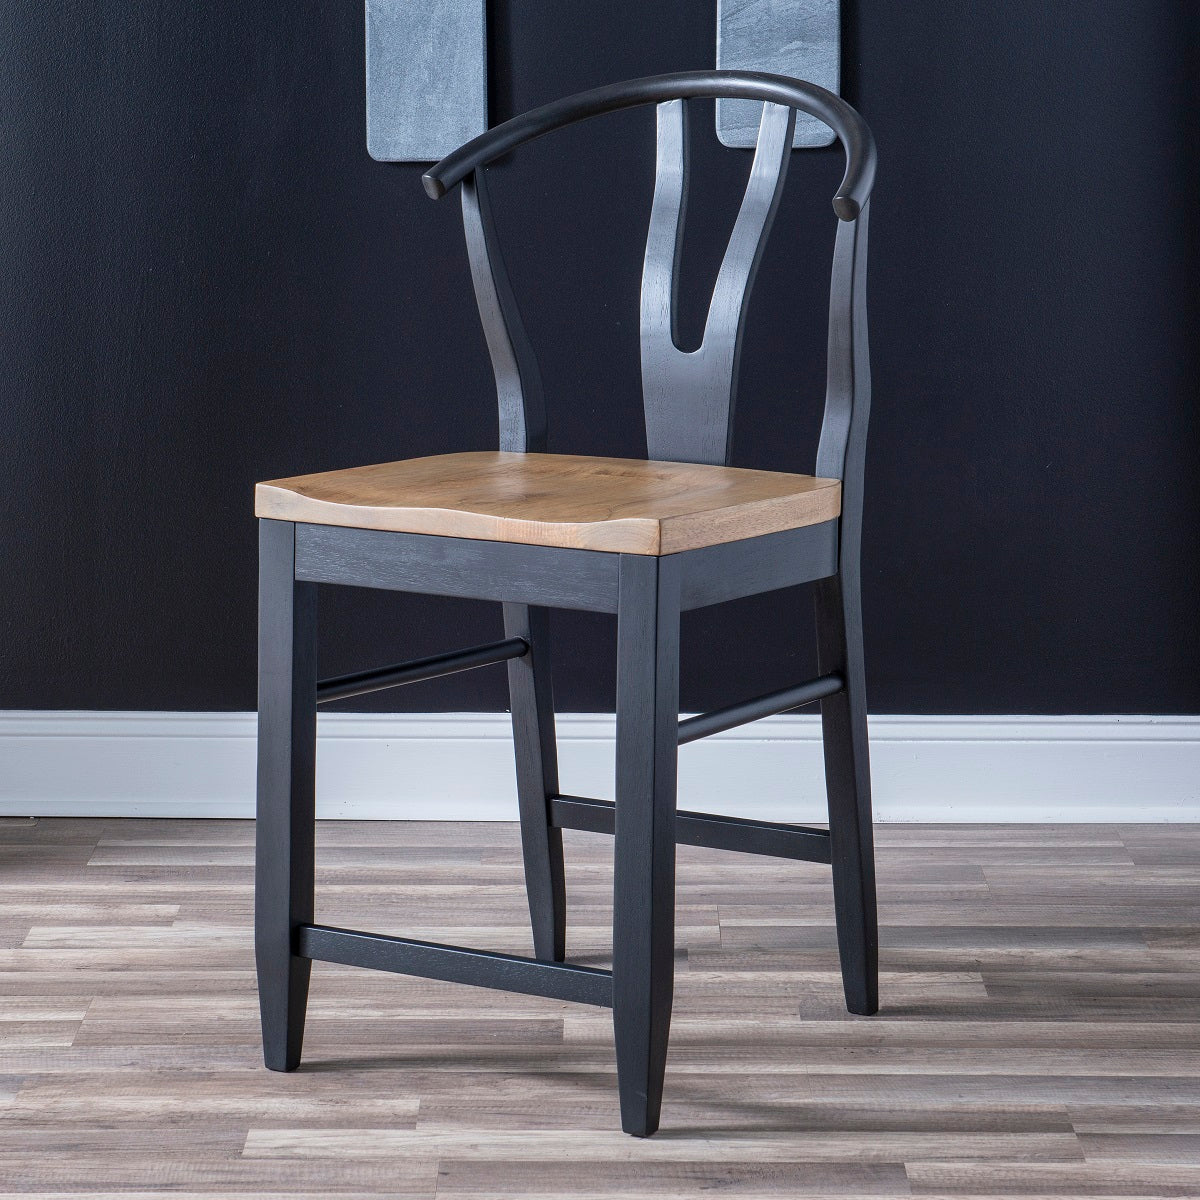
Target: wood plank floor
1040	1031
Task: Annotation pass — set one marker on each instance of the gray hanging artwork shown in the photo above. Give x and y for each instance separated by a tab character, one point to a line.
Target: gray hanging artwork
801	38
426	77
427	69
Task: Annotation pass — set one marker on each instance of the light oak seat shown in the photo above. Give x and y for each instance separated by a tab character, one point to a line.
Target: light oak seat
623	505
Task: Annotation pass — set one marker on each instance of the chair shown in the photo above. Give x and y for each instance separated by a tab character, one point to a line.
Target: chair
643	540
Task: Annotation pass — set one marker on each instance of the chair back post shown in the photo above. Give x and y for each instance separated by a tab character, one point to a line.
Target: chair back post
841	452
518	380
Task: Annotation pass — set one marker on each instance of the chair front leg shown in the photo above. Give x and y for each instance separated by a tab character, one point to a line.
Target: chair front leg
532	701
287	731
644	890
848	784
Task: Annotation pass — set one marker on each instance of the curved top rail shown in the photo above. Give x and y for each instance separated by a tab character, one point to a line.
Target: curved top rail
850	128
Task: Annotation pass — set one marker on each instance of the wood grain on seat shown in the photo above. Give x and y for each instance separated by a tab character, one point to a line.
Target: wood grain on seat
615	504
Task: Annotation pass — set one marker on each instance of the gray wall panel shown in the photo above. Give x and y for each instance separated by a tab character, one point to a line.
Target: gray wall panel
801	38
426	77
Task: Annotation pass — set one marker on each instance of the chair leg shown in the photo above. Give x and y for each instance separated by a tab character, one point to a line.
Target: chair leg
287	730
532	701
848	783
644	891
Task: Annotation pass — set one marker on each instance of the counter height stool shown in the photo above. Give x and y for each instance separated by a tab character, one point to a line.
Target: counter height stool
643	540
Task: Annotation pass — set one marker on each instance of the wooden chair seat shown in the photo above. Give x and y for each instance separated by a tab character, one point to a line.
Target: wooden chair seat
625	506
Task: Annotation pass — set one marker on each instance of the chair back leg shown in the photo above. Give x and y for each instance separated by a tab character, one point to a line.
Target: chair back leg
287	734
848	783
644	885
532	701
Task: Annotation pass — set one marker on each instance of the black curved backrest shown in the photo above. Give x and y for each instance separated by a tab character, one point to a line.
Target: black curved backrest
688	396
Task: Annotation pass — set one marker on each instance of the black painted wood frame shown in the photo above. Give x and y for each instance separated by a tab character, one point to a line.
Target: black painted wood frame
689	402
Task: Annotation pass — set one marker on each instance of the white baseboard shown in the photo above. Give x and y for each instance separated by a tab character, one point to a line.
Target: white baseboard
459	767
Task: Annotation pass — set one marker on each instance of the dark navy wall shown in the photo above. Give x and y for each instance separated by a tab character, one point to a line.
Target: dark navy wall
204	281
